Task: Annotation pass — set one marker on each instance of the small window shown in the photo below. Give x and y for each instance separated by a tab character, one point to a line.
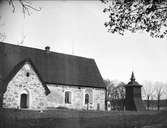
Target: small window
68	97
86	99
27	74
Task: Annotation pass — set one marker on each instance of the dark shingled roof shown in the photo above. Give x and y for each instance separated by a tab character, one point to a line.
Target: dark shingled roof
133	82
52	67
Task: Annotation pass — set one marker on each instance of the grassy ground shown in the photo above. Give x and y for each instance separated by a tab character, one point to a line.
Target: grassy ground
82	119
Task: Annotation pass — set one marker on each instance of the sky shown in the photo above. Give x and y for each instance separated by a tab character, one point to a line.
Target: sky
77	28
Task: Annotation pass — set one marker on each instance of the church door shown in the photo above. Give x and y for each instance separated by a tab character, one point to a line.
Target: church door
98	106
23	102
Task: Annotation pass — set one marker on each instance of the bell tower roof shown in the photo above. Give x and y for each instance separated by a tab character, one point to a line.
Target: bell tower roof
133	81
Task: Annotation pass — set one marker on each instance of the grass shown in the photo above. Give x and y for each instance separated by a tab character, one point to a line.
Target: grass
82	119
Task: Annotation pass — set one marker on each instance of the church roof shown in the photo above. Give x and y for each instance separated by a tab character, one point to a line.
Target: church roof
56	68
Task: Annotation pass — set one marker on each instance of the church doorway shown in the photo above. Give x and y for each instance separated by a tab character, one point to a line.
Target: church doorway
24	100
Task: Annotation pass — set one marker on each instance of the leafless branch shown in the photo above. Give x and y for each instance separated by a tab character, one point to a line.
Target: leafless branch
27	6
2	36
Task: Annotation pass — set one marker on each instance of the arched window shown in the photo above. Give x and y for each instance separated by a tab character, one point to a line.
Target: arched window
88	96
86	99
68	97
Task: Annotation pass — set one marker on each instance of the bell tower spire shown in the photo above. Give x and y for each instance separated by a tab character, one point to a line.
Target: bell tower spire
132	77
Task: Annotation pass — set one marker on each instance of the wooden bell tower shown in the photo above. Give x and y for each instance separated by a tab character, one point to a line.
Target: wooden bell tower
133	100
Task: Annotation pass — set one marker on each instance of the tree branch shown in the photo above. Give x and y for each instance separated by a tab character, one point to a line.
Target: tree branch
26	6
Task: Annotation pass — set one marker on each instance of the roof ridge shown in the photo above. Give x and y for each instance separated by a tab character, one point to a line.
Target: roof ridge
43	50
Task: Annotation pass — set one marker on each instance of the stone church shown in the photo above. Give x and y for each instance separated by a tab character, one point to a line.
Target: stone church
41	79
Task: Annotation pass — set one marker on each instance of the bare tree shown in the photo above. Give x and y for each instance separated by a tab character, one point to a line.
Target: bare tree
26	6
148	92
121	95
159	93
115	94
2	34
109	88
135	15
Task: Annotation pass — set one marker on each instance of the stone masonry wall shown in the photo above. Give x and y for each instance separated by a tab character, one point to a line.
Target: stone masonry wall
37	99
57	97
25	80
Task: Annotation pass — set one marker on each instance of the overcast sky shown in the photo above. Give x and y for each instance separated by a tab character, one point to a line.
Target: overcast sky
77	27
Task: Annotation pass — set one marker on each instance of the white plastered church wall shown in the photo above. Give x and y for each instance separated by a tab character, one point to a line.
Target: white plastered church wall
99	99
56	98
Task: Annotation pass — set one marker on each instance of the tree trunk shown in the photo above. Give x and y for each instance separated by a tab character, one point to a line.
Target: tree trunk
148	102
158	103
